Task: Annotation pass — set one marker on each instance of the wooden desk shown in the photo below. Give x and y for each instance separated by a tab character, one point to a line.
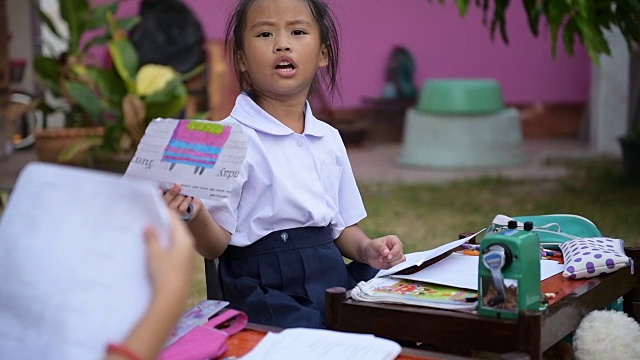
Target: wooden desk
242	342
531	334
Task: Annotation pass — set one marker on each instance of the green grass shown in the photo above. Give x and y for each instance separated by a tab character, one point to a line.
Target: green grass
425	216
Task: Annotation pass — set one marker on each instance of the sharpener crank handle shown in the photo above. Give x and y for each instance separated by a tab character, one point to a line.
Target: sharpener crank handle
494	259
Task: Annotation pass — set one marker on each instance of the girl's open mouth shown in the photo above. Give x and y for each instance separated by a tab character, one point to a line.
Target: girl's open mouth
285	67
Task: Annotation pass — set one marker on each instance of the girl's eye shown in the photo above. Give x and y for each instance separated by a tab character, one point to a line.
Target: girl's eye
264	34
298	32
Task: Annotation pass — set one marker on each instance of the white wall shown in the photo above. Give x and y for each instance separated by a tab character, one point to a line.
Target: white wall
21	45
609	99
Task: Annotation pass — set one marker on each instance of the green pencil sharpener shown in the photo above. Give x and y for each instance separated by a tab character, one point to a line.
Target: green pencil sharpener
509	272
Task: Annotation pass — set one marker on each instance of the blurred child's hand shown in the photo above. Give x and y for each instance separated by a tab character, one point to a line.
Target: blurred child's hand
385	252
180	203
170	268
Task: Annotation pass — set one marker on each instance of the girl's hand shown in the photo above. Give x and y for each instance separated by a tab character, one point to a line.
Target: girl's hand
170	268
385	252
181	203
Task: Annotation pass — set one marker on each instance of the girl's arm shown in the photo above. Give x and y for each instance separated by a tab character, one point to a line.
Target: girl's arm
380	253
211	239
170	272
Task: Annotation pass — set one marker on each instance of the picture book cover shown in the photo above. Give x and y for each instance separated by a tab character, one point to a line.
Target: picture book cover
403	291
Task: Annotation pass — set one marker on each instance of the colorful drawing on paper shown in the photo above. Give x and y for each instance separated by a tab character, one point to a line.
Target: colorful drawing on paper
196	143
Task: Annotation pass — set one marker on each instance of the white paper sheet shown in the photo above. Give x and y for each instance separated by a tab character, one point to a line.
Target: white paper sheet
316	344
417	258
203	156
461	271
73	264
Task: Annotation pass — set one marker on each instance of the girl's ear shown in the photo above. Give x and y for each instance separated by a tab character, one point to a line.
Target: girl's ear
324	56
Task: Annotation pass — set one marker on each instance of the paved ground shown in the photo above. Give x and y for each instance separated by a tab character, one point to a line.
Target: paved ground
378	164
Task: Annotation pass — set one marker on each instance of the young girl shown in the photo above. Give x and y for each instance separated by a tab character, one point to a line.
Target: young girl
282	235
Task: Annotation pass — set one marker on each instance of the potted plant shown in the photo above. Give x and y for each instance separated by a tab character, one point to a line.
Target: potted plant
120	99
126	100
66	76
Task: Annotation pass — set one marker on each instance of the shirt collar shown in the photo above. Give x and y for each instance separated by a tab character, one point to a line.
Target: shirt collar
250	114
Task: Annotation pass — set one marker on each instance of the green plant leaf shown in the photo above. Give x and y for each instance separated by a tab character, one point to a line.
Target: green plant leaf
128	23
110	84
533	16
586	19
75	13
168	102
68	153
48	71
484	4
555	12
197	70
98	15
568	36
112	136
96	40
499	20
125	59
593	39
85	98
463	6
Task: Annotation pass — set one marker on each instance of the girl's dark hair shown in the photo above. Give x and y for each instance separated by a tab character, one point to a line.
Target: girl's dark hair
234	42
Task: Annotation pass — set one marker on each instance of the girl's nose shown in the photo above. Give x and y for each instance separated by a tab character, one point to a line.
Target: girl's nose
282	44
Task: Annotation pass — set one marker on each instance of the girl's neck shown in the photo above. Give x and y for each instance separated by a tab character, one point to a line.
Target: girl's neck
289	112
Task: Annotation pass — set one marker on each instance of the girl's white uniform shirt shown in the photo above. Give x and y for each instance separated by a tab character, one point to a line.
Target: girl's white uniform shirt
288	180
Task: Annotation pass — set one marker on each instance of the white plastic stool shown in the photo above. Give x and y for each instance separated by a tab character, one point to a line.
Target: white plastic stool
484	140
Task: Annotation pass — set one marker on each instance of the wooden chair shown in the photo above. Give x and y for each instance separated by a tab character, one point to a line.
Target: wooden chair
212	279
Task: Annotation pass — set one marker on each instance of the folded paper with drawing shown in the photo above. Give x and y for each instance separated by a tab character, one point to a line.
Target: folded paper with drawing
203	156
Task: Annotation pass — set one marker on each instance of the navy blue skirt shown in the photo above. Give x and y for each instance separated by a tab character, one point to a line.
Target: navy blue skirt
281	279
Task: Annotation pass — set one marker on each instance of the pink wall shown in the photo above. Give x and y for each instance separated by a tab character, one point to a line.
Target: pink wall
443	45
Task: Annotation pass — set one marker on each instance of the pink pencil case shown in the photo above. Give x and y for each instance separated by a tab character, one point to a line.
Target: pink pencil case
206	341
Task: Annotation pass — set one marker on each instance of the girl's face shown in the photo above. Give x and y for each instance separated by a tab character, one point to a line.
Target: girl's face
282	49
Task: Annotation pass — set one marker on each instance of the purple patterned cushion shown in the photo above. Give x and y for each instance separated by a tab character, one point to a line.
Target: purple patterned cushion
589	257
